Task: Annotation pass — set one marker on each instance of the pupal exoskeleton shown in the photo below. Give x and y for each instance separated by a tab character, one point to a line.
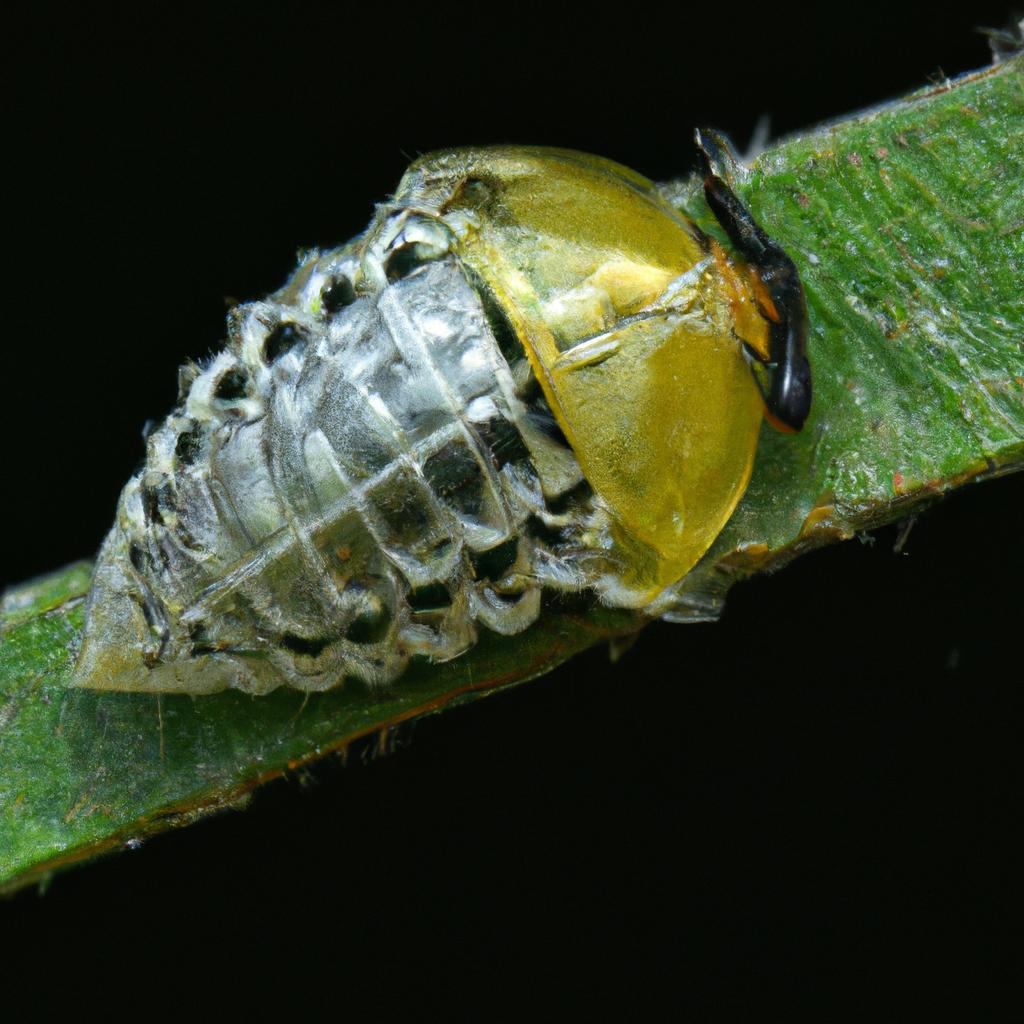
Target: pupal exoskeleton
530	372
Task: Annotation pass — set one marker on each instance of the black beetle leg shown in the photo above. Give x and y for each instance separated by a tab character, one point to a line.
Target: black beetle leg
788	396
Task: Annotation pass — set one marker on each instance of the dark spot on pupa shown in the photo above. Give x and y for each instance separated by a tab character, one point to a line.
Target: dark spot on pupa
454	475
429	597
549	536
505	597
369	627
186	448
401	262
232	386
495	563
402	509
156	499
336	294
497	319
576	495
283	338
138	558
310	647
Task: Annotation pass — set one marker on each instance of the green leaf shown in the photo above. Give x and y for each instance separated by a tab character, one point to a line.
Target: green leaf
907	225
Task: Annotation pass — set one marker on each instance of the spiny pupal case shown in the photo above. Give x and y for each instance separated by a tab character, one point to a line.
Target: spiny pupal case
524	375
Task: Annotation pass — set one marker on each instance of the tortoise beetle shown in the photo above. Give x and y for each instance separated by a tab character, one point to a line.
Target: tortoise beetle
530	373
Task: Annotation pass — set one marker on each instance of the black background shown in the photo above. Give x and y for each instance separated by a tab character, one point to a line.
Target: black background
821	794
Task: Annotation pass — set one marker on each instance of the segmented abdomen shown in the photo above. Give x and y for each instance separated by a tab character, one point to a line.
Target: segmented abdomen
353	481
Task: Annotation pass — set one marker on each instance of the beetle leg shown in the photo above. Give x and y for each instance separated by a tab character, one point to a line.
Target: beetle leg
788	393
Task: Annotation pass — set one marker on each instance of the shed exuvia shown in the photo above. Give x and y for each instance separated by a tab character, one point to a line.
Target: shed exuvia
529	374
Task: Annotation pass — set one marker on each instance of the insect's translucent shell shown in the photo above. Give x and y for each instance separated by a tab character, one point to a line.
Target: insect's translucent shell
527	375
632	322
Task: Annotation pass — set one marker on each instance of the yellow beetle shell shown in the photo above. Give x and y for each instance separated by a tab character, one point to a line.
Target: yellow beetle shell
632	322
